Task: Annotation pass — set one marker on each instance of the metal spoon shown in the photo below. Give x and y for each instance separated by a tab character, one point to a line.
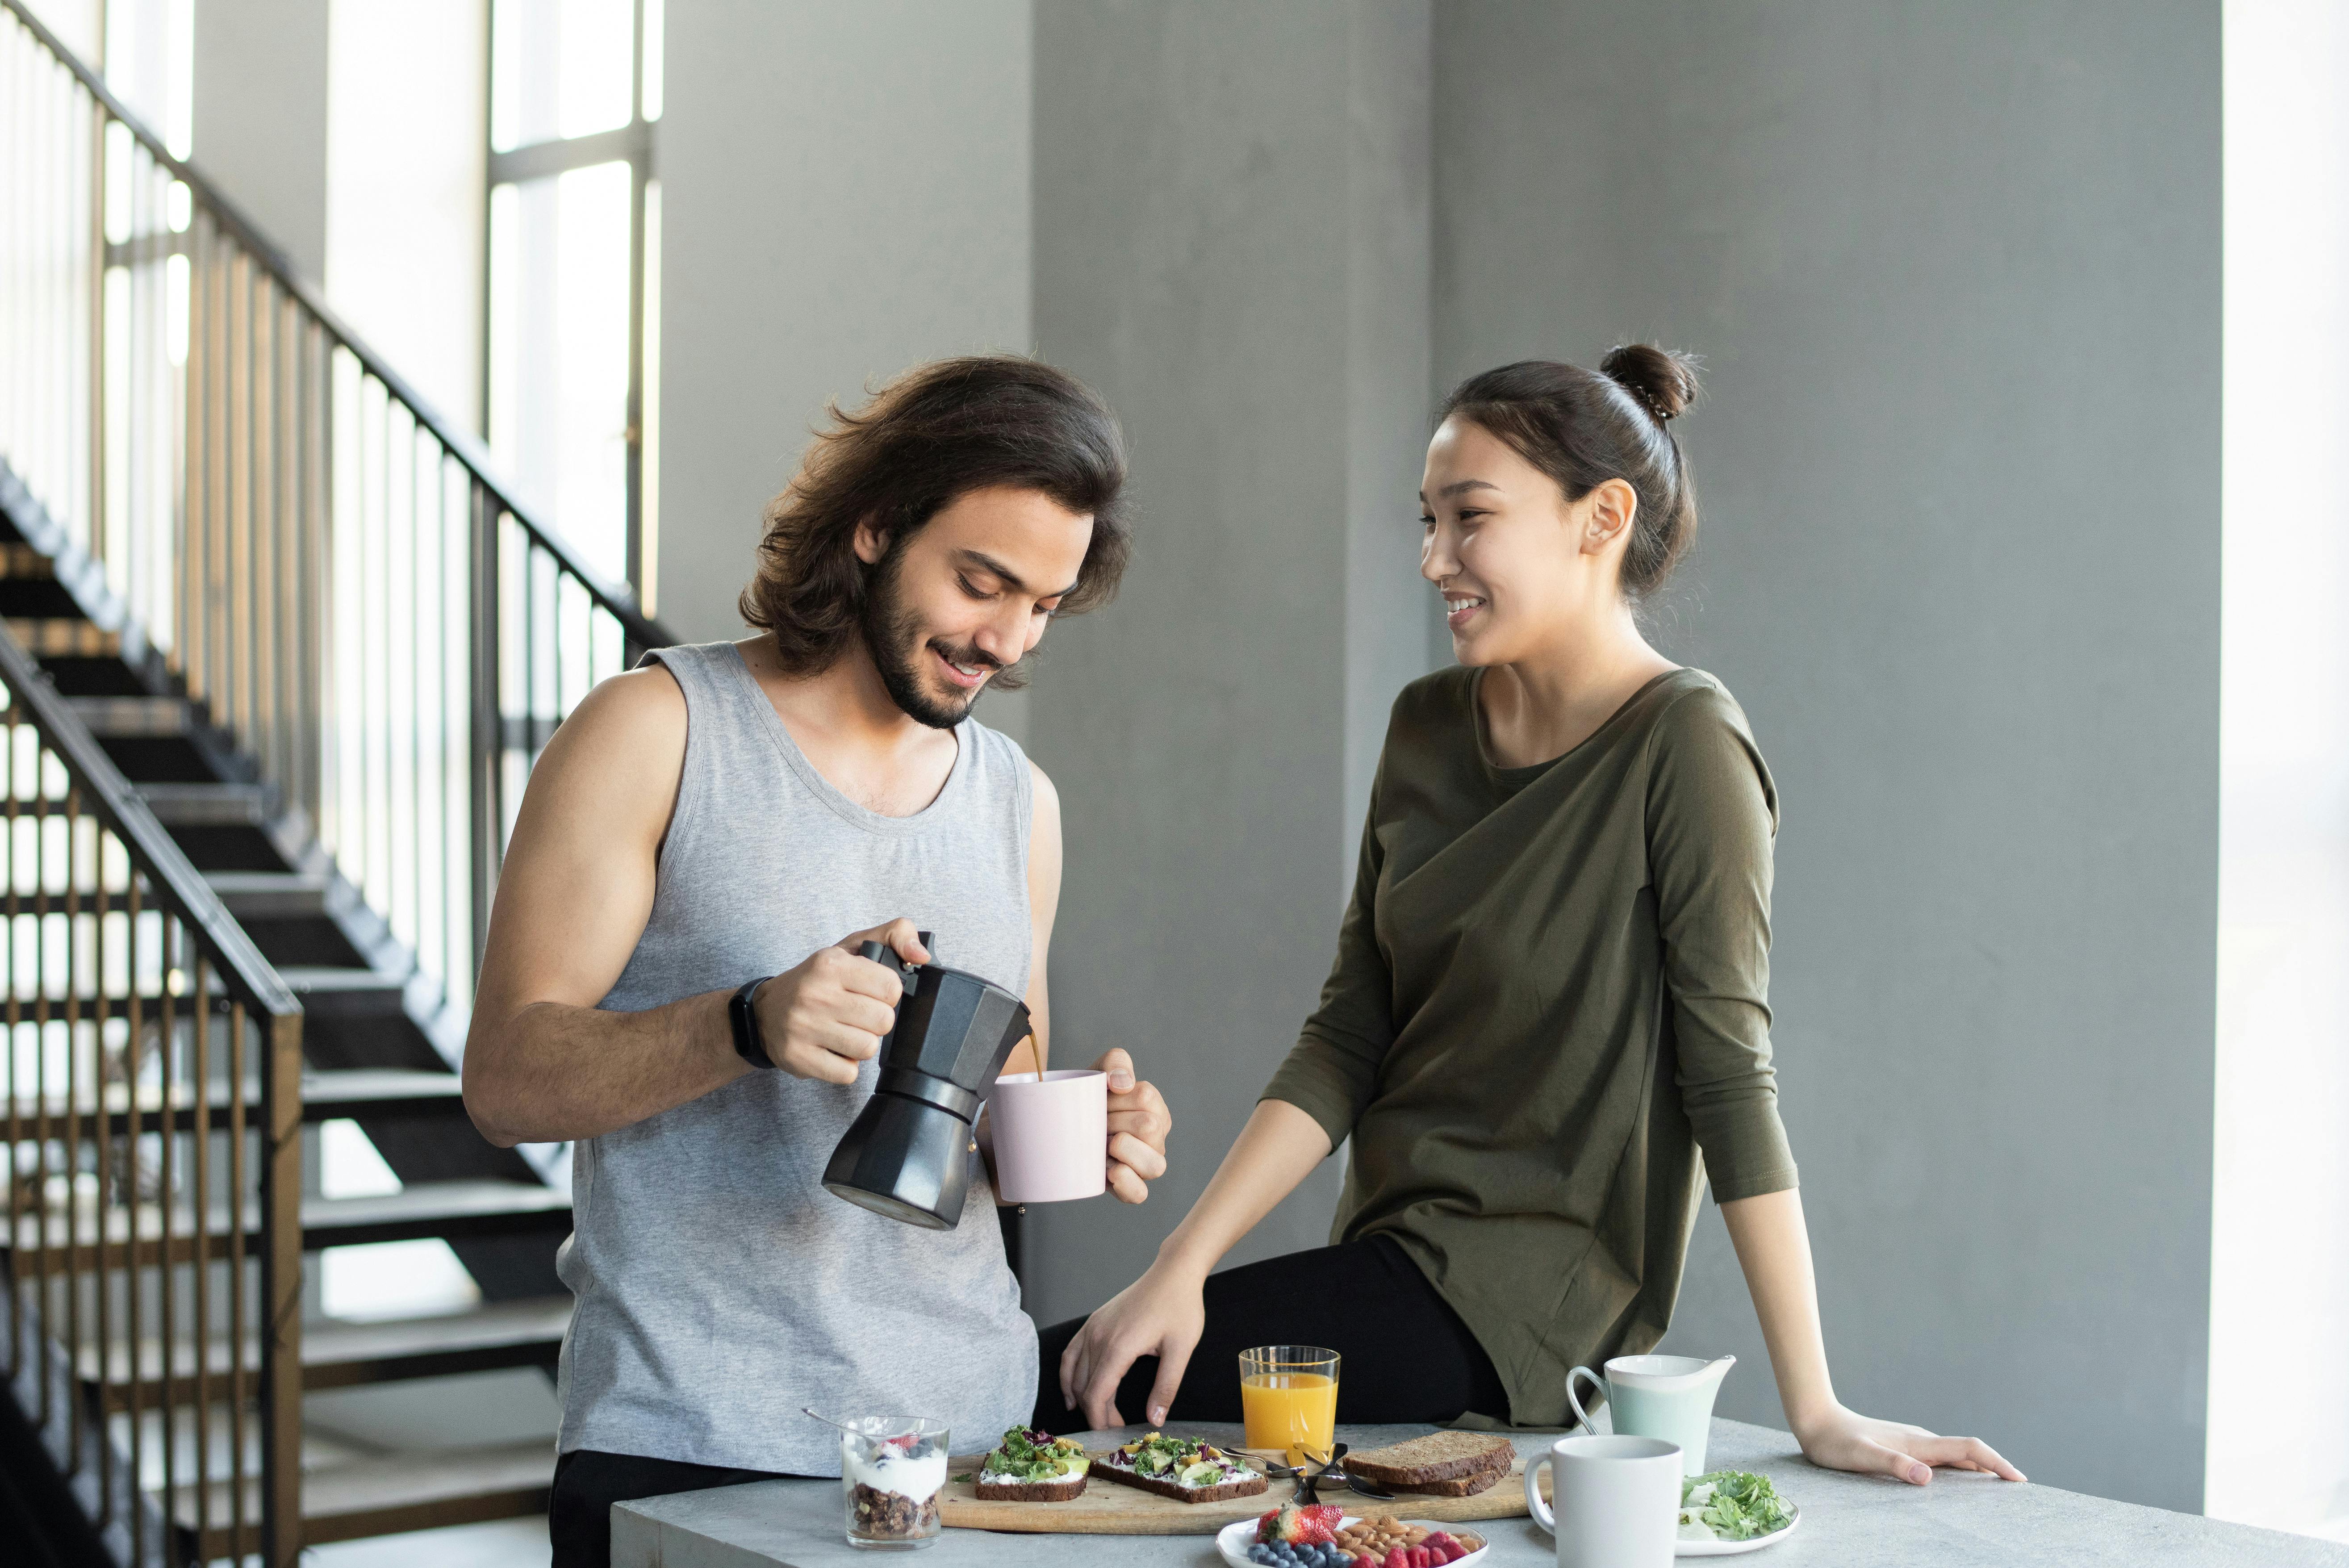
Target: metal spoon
811	1410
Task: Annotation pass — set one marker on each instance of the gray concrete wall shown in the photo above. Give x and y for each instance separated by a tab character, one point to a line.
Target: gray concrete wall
259	118
1955	273
845	192
1231	246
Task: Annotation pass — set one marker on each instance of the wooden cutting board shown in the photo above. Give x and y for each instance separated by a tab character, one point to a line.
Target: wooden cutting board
1105	1508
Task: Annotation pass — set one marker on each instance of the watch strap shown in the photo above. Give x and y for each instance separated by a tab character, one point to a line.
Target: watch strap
742	1012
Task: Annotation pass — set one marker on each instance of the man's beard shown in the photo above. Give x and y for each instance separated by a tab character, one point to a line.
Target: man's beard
893	636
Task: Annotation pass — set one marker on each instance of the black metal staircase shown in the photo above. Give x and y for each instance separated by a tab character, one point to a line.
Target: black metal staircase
269	588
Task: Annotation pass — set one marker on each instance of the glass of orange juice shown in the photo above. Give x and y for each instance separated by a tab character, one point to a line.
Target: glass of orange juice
1288	1396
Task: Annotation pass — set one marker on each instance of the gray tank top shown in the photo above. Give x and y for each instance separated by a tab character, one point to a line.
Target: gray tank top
719	1287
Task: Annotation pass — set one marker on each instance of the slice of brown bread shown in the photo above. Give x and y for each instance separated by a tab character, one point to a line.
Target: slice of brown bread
1240	1486
1466	1485
1005	1488
1438	1456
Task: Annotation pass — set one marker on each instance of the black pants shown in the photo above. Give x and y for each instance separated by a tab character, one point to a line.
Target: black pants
588	1483
1407	1355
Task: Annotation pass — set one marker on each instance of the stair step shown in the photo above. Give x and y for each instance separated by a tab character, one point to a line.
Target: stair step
274	895
209	804
21	562
345	1354
345	993
499	1334
55	637
359	1093
454	1210
376	1093
127	717
389	1494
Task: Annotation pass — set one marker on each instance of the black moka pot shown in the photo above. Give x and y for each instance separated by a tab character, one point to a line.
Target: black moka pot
907	1153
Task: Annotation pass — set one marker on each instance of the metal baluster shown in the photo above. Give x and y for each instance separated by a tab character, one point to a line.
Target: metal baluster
41	1255
73	1117
239	1244
166	1051
201	1070
485	790
134	1066
94	279
281	1282
15	1103
104	1126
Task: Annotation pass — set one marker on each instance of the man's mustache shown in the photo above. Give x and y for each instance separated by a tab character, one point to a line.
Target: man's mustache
968	658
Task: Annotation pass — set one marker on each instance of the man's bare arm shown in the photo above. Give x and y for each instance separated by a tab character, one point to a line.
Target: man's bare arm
542	1063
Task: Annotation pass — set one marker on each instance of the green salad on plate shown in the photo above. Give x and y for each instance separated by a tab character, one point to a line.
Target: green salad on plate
1731	1505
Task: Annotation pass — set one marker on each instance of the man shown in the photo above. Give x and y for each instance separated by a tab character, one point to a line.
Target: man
731	821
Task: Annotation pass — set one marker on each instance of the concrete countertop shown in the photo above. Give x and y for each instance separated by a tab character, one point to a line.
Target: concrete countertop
1961	1520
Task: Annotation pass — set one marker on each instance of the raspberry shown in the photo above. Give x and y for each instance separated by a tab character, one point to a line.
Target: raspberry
1397	1558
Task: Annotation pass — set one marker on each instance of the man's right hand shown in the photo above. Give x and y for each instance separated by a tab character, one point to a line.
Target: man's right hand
825	1016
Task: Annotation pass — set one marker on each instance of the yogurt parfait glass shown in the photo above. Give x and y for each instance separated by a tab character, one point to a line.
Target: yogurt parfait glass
891	1469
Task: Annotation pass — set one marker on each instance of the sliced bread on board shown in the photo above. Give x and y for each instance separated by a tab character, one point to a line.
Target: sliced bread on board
1244	1485
1440	1459
1005	1488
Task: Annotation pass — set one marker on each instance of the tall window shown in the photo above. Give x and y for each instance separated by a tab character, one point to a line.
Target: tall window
573	396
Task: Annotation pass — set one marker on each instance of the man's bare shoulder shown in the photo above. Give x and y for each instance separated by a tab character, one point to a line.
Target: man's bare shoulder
622	749
642	707
1048	798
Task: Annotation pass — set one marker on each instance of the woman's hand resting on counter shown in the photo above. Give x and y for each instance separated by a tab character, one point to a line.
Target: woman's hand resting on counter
1162	1314
1138	1125
1842	1440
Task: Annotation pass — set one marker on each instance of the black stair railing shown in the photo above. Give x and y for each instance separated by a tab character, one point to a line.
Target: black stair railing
152	1117
272	520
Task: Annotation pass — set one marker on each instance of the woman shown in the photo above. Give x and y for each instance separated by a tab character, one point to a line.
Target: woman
1549	1001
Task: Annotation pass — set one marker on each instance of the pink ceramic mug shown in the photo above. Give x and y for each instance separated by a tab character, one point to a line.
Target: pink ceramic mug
1052	1136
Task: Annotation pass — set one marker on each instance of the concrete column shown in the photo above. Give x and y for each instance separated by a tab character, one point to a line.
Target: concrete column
1231	245
259	130
1955	273
846	194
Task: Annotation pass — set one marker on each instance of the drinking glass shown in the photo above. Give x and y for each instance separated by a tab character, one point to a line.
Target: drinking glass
892	1468
1288	1396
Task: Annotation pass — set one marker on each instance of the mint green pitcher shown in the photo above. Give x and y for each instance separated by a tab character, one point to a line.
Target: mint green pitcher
1666	1396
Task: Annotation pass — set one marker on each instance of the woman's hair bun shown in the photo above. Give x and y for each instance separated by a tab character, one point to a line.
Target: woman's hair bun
1662	379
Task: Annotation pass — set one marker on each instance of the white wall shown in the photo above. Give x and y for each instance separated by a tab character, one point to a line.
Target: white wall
1955	272
846	194
261	128
1231	245
2278	1450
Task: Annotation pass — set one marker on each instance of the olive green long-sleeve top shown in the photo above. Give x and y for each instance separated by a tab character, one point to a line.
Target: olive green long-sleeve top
1548	1014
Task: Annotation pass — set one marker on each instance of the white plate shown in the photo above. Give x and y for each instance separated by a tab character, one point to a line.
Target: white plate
1732	1548
1235	1539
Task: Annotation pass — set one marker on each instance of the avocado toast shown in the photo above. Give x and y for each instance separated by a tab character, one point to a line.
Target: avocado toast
1033	1467
1185	1469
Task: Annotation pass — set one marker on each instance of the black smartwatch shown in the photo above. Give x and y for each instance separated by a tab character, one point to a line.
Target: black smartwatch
743	1011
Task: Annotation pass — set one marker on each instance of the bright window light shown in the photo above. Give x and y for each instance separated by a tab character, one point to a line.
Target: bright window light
559	69
559	352
655	58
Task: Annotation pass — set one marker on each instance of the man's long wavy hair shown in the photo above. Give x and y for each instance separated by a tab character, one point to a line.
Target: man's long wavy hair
936	433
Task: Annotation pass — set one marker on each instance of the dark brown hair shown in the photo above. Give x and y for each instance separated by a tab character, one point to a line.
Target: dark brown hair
933	435
1583	427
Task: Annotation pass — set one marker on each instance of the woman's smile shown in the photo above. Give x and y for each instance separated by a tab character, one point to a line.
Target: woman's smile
1459	609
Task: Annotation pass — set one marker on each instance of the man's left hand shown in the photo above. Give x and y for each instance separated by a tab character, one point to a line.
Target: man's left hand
1138	1125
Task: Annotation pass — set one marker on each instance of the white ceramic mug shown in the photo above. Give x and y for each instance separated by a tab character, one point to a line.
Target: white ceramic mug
1618	1500
1052	1136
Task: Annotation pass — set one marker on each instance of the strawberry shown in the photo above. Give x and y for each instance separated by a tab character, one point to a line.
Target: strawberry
1318	1524
1267	1524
